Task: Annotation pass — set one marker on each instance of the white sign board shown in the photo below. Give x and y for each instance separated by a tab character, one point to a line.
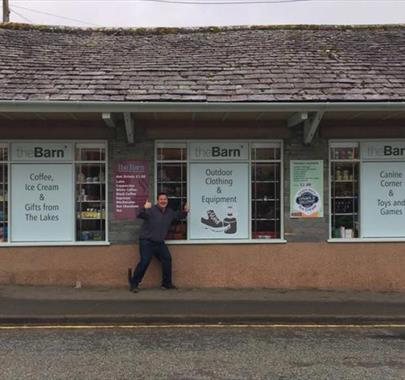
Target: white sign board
42	199
219	151
383	199
219	201
382	150
40	151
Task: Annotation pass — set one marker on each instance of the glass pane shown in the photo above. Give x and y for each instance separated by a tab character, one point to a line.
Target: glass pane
90	173
167	154
266	172
349	153
90	154
178	231
266	153
3	154
266	200
345	199
266	230
265	191
3	202
171	172
172	179
90	201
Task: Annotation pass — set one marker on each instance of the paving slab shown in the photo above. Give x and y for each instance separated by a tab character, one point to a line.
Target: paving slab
43	304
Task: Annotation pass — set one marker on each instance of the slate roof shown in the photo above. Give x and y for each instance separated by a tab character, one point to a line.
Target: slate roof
266	64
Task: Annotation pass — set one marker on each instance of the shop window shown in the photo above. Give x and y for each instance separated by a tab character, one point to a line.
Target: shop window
90	192
345	165
266	192
172	179
3	193
52	192
367	189
232	187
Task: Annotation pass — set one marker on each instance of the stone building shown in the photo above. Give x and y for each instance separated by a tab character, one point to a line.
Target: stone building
288	143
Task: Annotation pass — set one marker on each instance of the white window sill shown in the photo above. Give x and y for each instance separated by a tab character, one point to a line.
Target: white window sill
203	242
366	240
55	244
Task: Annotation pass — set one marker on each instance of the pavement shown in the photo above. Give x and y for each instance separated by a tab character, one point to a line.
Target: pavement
20	305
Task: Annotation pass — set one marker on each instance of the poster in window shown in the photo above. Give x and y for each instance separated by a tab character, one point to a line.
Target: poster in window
306	189
130	188
383	199
219	201
42	202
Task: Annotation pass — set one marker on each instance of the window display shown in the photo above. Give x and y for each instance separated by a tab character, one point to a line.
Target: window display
266	192
90	192
3	193
367	189
217	174
172	179
52	192
344	174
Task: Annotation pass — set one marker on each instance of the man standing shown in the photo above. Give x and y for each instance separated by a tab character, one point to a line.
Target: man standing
157	221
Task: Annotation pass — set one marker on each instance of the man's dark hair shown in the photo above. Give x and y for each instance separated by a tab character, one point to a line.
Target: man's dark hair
161	193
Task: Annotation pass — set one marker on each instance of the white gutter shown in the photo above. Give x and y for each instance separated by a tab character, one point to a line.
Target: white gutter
86	106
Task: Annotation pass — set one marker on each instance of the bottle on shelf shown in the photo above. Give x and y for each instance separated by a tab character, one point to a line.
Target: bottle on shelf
338	174
81	177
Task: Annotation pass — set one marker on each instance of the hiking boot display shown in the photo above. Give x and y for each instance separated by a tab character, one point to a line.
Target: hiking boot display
212	220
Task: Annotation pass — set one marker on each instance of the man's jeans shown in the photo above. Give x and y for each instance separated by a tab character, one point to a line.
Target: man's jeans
148	249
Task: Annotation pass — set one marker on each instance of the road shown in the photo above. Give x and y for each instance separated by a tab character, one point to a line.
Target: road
203	352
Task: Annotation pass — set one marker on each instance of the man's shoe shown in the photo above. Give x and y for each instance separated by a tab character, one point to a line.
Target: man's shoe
134	289
168	287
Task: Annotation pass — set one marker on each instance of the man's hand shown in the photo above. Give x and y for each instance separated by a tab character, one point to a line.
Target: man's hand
186	208
147	204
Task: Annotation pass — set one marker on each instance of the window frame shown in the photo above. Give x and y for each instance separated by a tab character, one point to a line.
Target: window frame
73	162
251	142
346	143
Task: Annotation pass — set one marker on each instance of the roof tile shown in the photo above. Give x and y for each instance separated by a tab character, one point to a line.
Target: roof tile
204	65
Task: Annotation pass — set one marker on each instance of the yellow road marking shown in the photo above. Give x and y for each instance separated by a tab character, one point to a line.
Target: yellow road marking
200	326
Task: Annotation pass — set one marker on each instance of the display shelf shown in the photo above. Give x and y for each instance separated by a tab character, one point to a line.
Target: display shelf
266	219
344	213
91	201
90	194
265	201
84	218
172	179
264	181
90	183
4	197
170	182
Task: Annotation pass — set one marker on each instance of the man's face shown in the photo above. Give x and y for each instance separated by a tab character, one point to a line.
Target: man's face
162	201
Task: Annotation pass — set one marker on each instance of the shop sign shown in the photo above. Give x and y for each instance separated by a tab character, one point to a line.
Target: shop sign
306	189
130	188
383	150
42	199
39	151
219	201
383	199
219	151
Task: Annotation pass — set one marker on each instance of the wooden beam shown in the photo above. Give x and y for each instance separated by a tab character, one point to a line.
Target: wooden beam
259	116
311	126
109	119
296	119
129	127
